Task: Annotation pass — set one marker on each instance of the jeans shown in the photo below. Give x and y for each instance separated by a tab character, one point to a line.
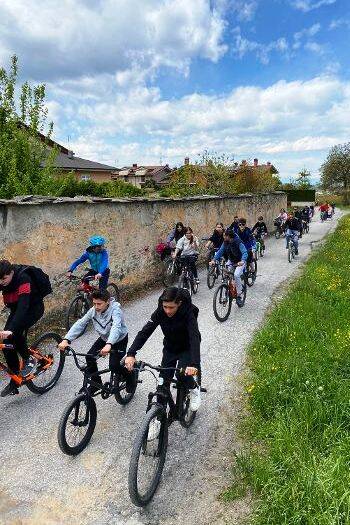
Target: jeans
292	234
237	275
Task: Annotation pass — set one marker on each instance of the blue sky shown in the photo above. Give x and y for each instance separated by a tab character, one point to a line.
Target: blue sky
149	80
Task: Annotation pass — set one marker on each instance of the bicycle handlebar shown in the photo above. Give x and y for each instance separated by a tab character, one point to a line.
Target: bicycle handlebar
142	364
70	351
4	346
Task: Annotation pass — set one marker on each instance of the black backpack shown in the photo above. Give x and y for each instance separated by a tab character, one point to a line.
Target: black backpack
40	279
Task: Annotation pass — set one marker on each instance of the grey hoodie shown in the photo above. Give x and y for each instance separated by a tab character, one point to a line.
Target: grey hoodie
110	324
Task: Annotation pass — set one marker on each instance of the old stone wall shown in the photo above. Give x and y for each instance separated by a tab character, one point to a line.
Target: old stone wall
52	233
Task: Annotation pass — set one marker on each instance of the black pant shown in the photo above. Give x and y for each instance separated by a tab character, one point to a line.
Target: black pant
19	338
118	351
103	282
180	361
191	263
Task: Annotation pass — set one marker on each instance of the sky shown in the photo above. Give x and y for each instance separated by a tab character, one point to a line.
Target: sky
154	81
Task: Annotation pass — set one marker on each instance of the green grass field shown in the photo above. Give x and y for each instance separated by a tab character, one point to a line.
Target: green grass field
296	461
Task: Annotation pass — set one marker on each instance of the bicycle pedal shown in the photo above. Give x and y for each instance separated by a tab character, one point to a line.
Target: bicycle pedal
204	390
139	380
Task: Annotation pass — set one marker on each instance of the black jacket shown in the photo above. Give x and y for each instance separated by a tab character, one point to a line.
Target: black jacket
22	298
181	333
217	239
293	224
259	228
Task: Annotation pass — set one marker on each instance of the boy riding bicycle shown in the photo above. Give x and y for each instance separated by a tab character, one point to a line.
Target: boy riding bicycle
108	321
22	297
97	256
177	317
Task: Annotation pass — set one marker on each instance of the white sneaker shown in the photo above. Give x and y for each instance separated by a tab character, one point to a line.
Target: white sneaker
153	430
195	399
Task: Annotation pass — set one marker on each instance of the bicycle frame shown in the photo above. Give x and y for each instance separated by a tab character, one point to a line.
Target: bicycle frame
18	379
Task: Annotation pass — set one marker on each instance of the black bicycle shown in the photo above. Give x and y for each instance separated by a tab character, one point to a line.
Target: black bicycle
82	302
78	421
186	279
280	229
306	227
172	270
251	270
150	446
214	272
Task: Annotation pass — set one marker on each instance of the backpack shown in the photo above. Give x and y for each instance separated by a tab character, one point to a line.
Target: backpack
40	279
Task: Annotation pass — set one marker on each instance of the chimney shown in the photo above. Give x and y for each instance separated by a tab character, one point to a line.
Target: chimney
187	161
256	162
134	166
268	164
70	154
236	164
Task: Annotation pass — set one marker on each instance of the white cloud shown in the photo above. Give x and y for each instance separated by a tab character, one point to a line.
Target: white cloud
309	5
242	46
279	123
245	9
339	22
71	39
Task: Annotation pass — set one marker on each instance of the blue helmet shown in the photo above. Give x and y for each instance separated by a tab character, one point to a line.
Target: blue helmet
97	240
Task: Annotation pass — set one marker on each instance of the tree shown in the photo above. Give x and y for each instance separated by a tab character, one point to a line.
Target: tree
335	171
303	180
26	164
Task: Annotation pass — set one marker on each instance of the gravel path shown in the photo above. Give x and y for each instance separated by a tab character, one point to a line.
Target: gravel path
39	485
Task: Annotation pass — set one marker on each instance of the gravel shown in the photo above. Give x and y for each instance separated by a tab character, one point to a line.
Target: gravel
40	485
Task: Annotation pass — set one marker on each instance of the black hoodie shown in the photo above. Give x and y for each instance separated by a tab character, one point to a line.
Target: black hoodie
181	333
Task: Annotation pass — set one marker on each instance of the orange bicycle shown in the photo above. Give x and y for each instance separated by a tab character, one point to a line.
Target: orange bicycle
50	363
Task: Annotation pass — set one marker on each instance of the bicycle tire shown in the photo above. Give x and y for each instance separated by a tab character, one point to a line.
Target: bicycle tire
127	397
244	291
277	234
114	291
194	285
290	257
77	309
258	246
211	277
185	284
170	273
91	414
184	402
140	443
33	385
218	297
251	276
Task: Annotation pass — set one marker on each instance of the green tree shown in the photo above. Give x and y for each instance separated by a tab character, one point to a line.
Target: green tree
303	180
335	171
22	153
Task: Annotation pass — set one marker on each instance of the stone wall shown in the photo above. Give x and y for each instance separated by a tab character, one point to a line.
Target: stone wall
51	233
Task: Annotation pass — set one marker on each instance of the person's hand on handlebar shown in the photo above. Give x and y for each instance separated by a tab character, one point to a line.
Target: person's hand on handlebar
191	371
4	334
106	350
130	362
211	263
69	275
63	344
240	263
98	276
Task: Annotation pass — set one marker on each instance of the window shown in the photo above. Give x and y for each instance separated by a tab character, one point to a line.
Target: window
142	178
85	177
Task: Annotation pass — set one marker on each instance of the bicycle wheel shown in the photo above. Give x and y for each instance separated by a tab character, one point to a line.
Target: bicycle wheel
187	415
194	285
277	234
290	255
46	375
222	303
77	309
170	273
262	249
114	291
211	277
148	456
77	425
251	274
185	284
244	290
307	228
257	250
121	395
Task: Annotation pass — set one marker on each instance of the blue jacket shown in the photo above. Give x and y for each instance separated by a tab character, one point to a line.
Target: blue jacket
247	238
235	251
98	261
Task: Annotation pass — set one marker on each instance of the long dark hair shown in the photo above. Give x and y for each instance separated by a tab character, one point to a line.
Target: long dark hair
188	229
178	234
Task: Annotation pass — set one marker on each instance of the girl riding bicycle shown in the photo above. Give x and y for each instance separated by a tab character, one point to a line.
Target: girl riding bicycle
177	317
189	246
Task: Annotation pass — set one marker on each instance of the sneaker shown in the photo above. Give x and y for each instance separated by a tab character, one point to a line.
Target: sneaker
9	390
195	399
239	301
130	382
296	252
153	429
29	366
197	281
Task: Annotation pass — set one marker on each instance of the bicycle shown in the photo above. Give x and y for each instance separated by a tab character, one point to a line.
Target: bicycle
214	272
291	248
251	271
82	302
149	451
226	292
186	279
50	363
78	421
172	271
306	227
260	245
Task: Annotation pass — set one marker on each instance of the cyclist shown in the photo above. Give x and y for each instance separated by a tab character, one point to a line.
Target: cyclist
188	245
259	230
22	297
176	234
234	225
293	231
177	317
246	236
97	256
324	211
235	253
215	241
108	321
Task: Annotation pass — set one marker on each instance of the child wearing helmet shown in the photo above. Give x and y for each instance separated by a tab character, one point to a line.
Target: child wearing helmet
97	256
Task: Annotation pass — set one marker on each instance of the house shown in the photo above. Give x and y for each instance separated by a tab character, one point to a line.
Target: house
84	169
141	175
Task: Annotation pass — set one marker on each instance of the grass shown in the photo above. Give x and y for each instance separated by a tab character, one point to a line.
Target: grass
296	462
